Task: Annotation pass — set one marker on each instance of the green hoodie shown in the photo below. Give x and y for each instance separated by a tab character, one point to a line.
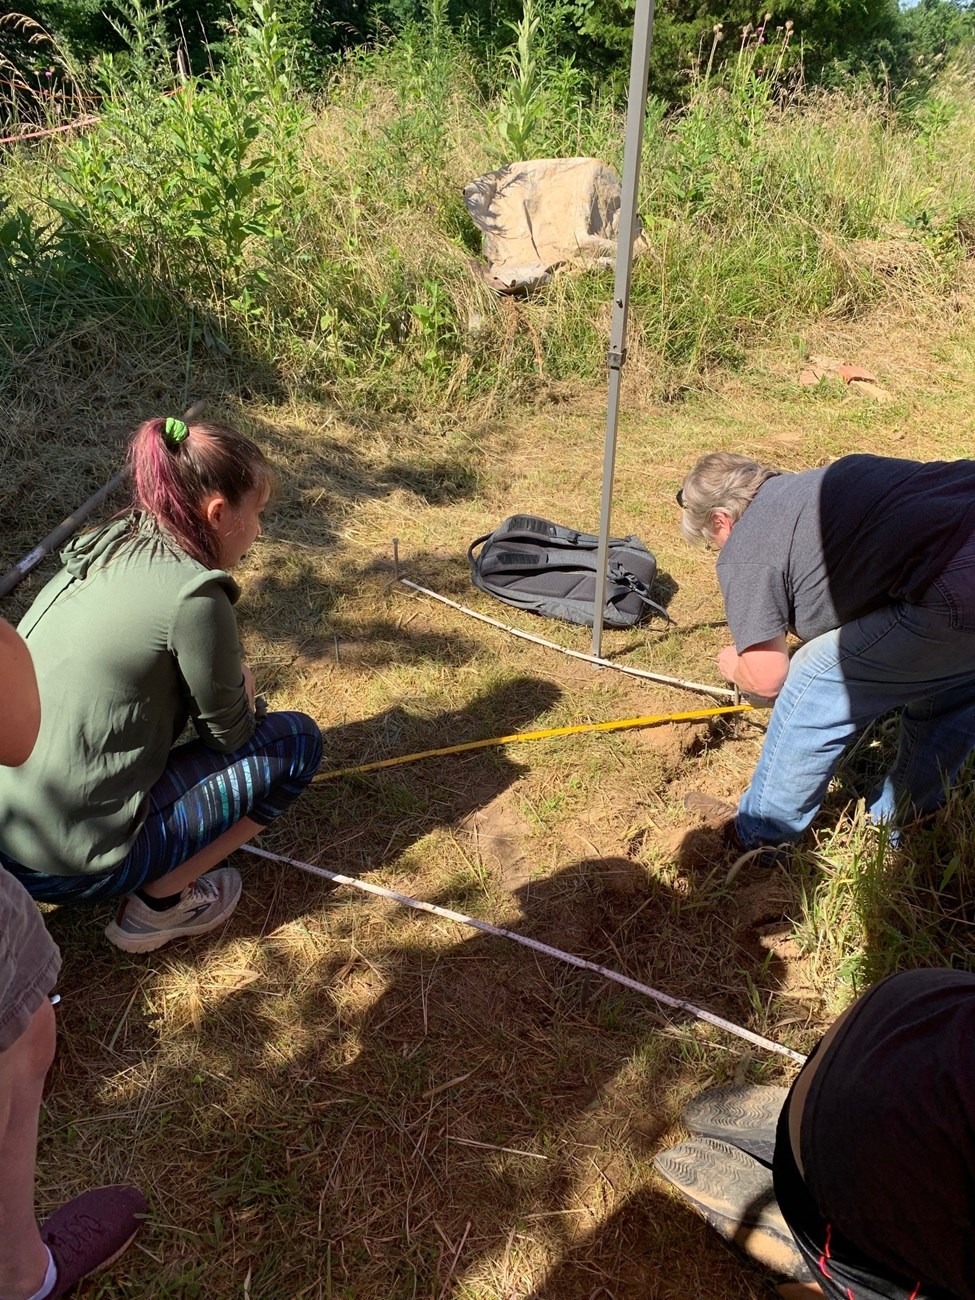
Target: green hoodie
130	640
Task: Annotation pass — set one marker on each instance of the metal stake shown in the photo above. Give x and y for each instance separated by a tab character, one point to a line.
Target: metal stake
636	111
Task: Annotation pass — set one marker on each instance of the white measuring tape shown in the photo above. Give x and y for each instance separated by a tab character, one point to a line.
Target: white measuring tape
678	1004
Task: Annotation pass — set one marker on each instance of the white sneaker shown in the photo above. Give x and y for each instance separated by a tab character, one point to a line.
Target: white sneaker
203	905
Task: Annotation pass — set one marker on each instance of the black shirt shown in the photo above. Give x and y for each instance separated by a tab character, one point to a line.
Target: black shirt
888	1128
815	550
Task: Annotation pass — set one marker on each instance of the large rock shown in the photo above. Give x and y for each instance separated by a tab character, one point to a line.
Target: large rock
539	215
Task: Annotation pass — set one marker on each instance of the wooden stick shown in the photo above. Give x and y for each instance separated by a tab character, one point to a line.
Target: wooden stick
58	535
73	522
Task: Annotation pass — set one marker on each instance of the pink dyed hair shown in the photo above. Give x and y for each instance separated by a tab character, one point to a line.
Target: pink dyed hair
173	483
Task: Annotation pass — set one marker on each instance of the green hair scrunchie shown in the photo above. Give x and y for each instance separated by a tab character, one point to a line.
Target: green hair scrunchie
174	432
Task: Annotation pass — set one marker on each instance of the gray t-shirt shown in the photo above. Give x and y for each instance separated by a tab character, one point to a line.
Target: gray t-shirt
772	565
815	550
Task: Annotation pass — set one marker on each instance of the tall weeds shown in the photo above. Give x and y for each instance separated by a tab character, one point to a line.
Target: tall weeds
327	245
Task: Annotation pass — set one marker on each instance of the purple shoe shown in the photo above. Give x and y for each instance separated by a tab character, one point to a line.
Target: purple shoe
91	1232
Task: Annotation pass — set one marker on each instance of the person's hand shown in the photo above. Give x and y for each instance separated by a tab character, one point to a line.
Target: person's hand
728	663
249	686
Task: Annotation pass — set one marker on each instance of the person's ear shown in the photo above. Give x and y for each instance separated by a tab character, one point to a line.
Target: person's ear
213	510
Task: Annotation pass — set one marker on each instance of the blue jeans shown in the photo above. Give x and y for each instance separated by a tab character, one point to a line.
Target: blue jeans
917	658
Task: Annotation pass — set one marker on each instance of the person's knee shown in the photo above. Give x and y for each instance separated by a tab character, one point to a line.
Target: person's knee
33	1052
317	741
309	735
297	739
42	1040
306	726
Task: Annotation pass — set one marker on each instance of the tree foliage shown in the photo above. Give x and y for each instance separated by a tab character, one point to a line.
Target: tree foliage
835	38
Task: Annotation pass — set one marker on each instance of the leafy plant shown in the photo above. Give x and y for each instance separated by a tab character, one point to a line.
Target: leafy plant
326	243
434	317
185	189
523	101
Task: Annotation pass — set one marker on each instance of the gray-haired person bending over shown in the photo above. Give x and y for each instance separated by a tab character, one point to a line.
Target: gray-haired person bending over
870	561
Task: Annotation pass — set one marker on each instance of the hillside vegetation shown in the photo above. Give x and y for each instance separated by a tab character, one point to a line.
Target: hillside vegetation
320	245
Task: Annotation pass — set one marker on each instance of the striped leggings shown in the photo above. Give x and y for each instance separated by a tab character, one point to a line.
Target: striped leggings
200	795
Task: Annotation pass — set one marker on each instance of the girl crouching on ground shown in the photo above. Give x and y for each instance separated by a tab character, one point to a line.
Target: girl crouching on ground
134	637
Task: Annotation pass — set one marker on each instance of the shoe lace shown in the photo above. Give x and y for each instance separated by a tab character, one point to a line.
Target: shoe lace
203	887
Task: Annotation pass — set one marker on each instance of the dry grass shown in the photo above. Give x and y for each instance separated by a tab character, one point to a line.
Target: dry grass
317	1101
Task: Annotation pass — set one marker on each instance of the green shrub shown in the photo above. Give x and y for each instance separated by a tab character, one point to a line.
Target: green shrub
327	245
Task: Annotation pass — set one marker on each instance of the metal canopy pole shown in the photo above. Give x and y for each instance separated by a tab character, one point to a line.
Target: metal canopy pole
636	111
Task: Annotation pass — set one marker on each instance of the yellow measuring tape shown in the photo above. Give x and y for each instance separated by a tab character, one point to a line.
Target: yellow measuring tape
695	715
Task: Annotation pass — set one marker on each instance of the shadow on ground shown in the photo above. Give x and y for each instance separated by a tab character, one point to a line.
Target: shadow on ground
373	1102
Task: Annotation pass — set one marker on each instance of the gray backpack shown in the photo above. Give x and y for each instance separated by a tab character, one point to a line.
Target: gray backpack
540	566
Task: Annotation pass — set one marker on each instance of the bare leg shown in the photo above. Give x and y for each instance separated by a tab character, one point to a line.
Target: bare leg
177	880
23	1068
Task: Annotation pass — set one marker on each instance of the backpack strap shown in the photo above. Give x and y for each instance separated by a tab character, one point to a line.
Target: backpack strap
478	541
653	605
617	572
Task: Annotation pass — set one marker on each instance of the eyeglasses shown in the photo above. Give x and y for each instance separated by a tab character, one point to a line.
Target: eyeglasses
680	497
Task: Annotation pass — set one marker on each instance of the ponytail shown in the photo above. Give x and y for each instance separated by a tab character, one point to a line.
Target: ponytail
176	467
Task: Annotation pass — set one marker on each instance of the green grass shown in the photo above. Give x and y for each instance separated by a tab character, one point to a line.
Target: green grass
280	1092
322	247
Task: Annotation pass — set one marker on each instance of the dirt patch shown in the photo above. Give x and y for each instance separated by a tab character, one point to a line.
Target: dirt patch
670	742
765	909
764	902
621	876
602	836
696	848
498	833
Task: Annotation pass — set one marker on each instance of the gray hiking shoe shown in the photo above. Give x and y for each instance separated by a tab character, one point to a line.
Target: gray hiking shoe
744	1114
203	905
735	1194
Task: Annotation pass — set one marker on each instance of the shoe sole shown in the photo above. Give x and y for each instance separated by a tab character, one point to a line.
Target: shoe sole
734	1193
745	1115
150	942
713	812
